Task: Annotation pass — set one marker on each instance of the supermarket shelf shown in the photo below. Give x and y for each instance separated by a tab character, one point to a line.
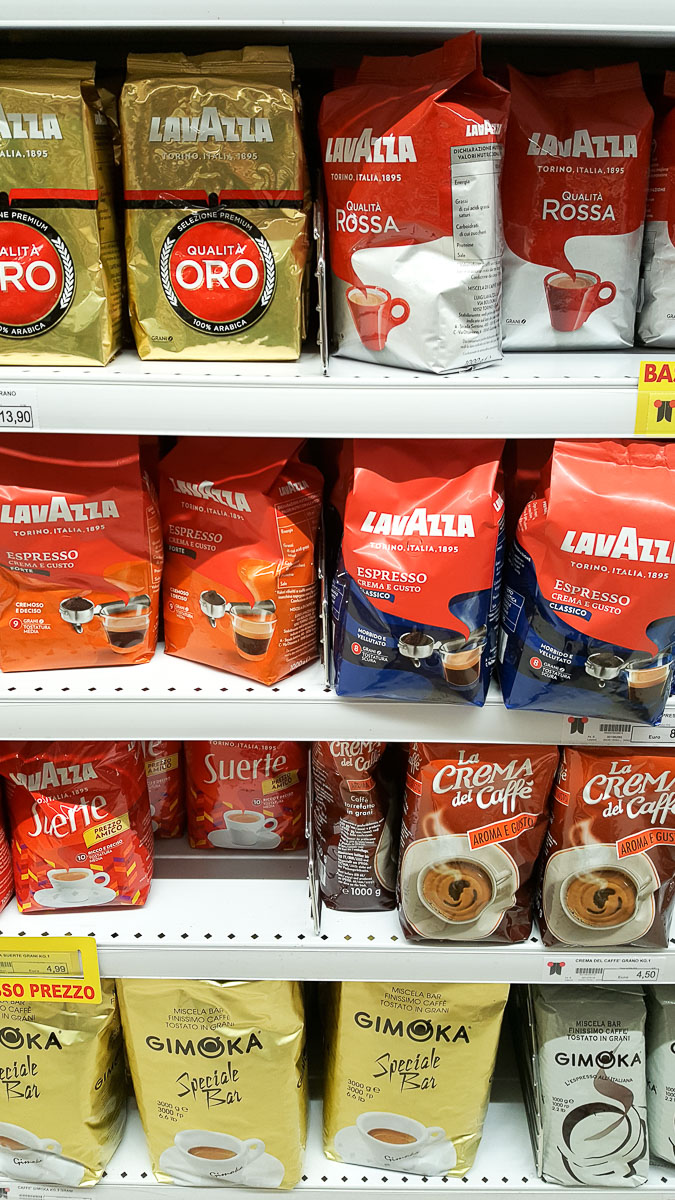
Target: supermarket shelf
504	1166
259	927
527	395
618	21
172	698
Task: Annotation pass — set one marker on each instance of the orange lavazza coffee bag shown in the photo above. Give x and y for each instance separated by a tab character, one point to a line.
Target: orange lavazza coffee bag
80	553
240	525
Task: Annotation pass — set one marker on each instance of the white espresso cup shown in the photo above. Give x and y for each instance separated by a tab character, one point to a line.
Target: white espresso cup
245	826
31	1159
216	1155
379	1129
76	881
501	889
644	889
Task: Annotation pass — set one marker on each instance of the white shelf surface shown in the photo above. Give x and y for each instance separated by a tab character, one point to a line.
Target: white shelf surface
173	698
527	395
233	916
504	1166
617	21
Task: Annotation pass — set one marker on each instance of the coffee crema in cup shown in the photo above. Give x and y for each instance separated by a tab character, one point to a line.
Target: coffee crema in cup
602	898
394	1136
214	1152
458	890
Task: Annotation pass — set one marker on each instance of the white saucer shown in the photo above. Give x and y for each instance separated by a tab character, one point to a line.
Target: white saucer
267	839
266	1171
594	857
449	845
437	1158
56	898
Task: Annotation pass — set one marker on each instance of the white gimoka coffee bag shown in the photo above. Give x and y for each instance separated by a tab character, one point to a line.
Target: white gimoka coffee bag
661	1070
590	1070
62	1090
408	1073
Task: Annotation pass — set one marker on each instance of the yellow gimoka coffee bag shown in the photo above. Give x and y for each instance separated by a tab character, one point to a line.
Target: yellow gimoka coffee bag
62	1089
217	205
408	1073
60	261
220	1079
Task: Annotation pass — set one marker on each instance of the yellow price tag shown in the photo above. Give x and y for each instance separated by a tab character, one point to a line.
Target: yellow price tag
54	969
655	413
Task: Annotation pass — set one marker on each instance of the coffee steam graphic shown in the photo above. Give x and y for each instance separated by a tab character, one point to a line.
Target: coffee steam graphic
605	1140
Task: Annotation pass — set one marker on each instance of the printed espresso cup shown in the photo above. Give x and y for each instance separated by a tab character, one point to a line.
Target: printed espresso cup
15	1141
459	889
646	685
253	632
76	881
244	826
461	668
572	299
374	314
216	1154
125	631
603	897
391	1138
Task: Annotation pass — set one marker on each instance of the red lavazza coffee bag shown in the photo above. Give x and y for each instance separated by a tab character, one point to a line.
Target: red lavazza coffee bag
656	321
246	795
355	825
415	595
6	881
588	616
240	528
609	855
474	819
412	154
80	819
164	774
574	193
80	553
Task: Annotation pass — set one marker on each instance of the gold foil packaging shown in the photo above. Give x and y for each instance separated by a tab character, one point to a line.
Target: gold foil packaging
408	1073
60	263
220	1079
217	205
62	1089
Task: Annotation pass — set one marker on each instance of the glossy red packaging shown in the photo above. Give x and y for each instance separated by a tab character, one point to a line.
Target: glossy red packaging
6	880
574	190
608	875
164	774
474	819
80	823
246	795
656	320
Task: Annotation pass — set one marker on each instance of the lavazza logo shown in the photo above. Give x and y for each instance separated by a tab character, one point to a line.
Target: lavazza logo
208	491
582	144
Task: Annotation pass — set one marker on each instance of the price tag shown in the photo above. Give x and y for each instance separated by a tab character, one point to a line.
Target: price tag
54	969
602	968
596	731
655	412
18	407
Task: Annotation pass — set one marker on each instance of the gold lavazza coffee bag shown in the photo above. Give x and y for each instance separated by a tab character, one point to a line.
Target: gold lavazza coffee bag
408	1073
60	262
62	1089
217	205
220	1079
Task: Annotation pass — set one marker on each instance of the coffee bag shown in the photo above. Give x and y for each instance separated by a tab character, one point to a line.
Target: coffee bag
574	194
80	553
656	320
355	816
80	819
408	1073
240	527
609	856
416	247
246	795
217	205
474	819
661	1070
63	1089
588	618
591	1091
60	263
220	1080
164	774
6	880
415	595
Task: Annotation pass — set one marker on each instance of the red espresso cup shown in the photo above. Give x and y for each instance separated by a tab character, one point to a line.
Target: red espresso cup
372	310
572	298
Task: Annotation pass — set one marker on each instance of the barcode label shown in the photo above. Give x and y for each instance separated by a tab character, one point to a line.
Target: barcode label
605	968
589	970
615	728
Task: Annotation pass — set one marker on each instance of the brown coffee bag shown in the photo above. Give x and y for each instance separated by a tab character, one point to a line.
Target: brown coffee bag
60	262
216	205
408	1073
